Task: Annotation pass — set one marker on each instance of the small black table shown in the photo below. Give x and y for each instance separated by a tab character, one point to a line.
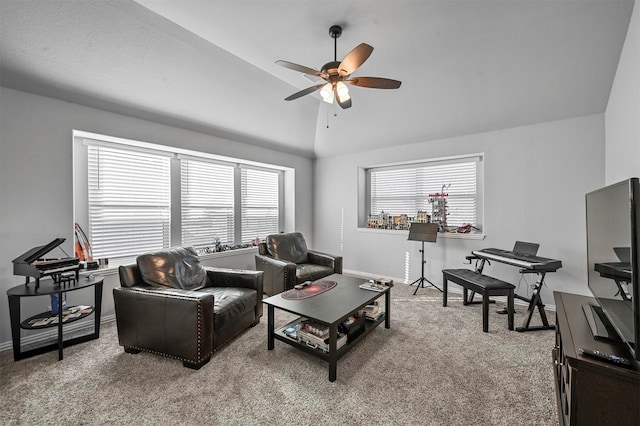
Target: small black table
331	308
48	287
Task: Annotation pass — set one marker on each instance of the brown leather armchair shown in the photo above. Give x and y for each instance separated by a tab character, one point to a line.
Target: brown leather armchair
169	304
286	261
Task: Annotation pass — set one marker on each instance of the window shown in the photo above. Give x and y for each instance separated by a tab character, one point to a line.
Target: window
415	189
137	197
260	203
207	203
129	201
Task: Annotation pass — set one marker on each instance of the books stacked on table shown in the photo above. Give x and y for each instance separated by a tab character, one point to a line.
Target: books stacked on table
316	335
375	311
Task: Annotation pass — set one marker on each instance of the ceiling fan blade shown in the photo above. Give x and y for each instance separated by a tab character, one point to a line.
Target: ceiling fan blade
354	59
374	82
299	68
304	92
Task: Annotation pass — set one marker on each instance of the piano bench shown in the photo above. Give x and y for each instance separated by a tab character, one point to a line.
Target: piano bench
482	284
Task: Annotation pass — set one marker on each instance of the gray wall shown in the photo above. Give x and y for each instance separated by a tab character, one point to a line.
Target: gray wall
535	178
36	178
623	110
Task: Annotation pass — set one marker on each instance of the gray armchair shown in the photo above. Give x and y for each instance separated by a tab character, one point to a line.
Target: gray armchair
169	304
286	261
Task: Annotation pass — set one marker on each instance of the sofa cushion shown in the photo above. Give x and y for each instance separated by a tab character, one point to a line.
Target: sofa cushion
230	303
290	247
310	272
178	267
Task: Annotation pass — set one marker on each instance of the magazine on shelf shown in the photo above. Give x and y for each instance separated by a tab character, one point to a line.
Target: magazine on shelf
67	314
79	309
40	322
368	285
379	285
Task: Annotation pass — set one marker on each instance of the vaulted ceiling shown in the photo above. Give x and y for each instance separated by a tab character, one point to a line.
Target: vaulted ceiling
466	66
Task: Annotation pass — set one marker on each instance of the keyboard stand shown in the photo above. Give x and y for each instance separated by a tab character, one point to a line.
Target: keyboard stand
535	301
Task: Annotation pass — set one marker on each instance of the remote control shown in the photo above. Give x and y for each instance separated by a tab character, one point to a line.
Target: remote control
301	286
605	356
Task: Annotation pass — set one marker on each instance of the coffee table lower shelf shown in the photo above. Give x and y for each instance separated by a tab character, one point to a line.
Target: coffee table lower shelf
279	334
331	357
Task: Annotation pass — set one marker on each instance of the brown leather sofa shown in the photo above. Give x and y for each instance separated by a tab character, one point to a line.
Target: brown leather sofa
286	261
169	304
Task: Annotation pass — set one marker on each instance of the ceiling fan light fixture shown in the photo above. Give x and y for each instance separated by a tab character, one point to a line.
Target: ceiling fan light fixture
342	91
327	93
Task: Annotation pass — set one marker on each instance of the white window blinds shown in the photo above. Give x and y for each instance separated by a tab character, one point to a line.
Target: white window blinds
129	201
406	189
207	203
137	197
260	203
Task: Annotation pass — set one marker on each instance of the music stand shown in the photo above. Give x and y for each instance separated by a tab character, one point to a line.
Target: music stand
423	232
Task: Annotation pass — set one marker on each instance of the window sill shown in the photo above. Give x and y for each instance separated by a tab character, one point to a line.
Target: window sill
452	235
115	263
227	253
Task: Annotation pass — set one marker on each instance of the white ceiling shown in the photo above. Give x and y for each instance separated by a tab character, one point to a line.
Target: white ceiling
466	66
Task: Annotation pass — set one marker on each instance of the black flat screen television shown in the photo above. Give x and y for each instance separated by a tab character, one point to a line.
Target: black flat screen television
613	242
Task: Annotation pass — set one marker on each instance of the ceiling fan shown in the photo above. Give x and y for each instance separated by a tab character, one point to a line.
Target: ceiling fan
336	74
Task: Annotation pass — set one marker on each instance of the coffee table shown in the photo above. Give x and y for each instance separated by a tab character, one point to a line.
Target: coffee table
330	308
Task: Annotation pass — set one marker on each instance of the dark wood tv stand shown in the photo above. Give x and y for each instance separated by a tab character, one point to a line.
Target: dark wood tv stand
590	391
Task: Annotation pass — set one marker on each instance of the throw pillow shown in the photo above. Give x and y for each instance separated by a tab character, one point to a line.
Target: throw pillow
178	267
290	247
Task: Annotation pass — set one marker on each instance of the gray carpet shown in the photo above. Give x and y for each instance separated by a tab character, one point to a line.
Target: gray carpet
434	366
